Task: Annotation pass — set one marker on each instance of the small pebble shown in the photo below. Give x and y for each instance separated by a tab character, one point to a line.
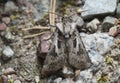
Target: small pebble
92	26
6	20
17	81
9	71
10	7
113	31
3	26
7	53
37	79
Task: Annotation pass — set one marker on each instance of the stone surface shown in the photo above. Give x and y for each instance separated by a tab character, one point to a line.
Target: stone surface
95	43
17	81
10	7
86	75
7	53
37	79
93	25
58	80
42	7
45	44
6	20
2	26
67	80
5	80
98	7
78	2
9	71
108	23
118	11
9	36
113	31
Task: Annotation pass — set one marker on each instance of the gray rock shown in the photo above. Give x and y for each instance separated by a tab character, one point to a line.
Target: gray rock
78	2
9	36
93	25
118	10
7	53
17	81
86	75
58	80
10	7
67	80
41	9
95	43
37	79
98	7
113	31
108	23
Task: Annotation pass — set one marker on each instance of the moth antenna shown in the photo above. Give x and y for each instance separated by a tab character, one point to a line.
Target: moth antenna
78	12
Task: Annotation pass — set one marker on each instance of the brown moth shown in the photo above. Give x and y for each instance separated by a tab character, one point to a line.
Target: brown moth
67	49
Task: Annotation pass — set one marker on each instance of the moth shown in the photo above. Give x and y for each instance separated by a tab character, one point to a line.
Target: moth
67	49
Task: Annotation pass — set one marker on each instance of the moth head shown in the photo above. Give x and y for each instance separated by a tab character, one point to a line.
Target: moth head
66	26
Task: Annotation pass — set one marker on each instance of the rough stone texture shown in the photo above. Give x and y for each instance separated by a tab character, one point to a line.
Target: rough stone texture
6	20
93	25
113	31
118	11
17	81
45	44
3	26
98	7
108	23
7	53
10	7
9	71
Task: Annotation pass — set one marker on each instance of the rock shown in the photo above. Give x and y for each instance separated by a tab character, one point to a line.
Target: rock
92	26
37	79
95	43
79	11
5	79
108	23
7	53
2	26
118	11
9	36
113	31
86	75
18	81
98	7
41	5
45	44
9	71
67	80
117	41
6	20
10	7
1	80
58	80
78	2
20	2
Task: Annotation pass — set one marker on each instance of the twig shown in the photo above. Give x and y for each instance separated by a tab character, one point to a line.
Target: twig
52	15
36	27
34	35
